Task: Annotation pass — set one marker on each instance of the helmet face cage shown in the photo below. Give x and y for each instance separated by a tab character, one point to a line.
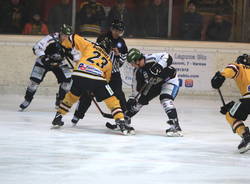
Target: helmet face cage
118	25
66	29
133	55
243	59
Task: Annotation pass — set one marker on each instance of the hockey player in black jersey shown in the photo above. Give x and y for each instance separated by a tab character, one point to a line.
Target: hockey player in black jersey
50	57
154	76
113	43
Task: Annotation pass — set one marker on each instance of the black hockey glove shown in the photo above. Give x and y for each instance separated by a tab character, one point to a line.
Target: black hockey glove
131	103
45	60
156	69
50	61
226	108
67	53
217	80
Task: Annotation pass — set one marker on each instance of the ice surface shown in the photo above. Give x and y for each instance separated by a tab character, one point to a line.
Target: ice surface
32	153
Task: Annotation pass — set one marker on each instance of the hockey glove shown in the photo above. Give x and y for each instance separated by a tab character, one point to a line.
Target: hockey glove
131	103
45	60
217	80
156	69
67	52
48	62
226	108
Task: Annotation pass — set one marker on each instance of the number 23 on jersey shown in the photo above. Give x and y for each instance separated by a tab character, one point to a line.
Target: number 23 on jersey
98	59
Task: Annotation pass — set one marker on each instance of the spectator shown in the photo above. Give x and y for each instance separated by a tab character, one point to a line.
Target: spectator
35	26
219	29
120	12
60	14
192	23
157	19
13	17
140	17
90	18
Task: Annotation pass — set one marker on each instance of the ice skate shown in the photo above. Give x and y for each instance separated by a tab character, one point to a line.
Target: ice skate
24	105
74	121
116	127
244	145
174	130
124	128
57	122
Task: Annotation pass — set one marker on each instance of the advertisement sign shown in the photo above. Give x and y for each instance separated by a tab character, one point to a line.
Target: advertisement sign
194	68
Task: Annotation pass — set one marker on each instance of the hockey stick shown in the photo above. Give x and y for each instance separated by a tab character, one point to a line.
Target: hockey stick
221	97
71	65
105	115
145	88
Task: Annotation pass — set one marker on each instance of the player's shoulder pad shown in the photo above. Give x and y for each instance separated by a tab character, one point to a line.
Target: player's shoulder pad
235	67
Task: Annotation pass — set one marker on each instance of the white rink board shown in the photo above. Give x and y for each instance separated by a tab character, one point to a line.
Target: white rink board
17	60
194	68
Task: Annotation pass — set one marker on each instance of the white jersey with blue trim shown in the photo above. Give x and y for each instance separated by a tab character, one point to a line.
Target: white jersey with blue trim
150	59
40	47
161	58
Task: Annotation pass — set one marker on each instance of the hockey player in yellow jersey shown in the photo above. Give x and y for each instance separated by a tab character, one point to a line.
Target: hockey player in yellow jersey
90	75
237	112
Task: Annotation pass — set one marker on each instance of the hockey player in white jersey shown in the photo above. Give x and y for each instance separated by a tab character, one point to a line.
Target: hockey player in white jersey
50	57
153	76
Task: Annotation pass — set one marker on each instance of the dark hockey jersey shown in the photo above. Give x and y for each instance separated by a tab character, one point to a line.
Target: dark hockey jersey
119	43
143	75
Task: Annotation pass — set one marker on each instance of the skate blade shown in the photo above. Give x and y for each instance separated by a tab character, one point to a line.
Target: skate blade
125	132
132	132
55	127
174	134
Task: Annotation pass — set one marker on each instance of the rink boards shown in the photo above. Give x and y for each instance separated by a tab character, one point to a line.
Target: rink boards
196	62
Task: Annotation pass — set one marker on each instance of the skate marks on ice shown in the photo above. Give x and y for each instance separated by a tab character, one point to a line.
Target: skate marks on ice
90	153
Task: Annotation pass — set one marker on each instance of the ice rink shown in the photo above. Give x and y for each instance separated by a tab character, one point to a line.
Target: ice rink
32	153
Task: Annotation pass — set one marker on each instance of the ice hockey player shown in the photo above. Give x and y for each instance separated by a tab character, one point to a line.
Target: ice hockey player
90	75
50	57
154	76
113	43
237	112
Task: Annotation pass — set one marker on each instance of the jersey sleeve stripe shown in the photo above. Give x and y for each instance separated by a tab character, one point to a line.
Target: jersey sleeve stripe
235	69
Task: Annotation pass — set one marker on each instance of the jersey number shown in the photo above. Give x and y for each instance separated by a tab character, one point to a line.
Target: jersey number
98	56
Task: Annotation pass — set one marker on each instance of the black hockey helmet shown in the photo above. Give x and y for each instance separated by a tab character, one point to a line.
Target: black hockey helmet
243	59
118	25
66	29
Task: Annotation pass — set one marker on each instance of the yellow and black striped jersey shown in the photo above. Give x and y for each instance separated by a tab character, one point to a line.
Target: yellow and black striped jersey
94	62
241	74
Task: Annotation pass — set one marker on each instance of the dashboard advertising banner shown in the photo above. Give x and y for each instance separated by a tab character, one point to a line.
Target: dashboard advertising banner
194	68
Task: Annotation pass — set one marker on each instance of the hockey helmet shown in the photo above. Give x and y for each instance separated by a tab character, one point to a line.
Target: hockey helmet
66	29
134	55
118	25
243	59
